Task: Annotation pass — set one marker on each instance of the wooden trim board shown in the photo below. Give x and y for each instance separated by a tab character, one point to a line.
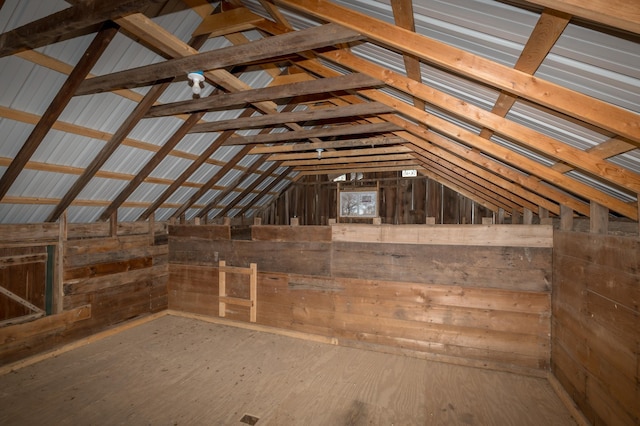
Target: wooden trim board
467	235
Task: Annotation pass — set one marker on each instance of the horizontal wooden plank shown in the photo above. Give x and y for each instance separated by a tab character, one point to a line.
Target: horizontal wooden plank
89	259
511	268
41	232
22	259
206	232
235	270
463	235
102	269
43	325
79	286
291	233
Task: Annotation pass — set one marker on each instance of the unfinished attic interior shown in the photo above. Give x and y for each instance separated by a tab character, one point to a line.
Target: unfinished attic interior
320	212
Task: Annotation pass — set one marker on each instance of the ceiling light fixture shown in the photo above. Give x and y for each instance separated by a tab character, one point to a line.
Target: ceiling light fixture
319	150
197	81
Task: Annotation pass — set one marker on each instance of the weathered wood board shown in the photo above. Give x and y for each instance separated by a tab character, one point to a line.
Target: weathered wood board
596	324
488	304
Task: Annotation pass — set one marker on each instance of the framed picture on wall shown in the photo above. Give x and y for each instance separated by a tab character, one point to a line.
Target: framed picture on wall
358	204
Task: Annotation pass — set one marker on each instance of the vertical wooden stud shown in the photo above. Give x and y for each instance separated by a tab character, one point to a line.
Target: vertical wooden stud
257	221
222	288
58	296
253	291
599	219
527	217
566	218
515	217
113	224
501	216
152	227
226	221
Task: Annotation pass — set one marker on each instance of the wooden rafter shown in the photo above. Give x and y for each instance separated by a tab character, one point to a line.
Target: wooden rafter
624	14
344	130
230	56
346	82
62	98
607	116
293	117
66	23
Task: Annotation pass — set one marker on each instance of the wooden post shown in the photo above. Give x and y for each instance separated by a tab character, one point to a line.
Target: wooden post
599	219
196	221
527	217
515	217
183	219
58	295
253	291
113	224
152	226
222	288
501	216
226	221
542	213
257	221
566	218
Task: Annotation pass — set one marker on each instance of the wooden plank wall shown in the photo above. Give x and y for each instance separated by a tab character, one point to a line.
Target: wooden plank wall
471	301
120	277
22	272
402	201
596	324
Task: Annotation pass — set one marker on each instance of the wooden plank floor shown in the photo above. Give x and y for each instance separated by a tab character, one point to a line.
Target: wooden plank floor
181	371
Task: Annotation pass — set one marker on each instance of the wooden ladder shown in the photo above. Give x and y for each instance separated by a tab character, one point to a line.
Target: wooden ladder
223	299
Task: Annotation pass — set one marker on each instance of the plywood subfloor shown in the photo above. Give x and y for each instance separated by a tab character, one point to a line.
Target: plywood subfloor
181	371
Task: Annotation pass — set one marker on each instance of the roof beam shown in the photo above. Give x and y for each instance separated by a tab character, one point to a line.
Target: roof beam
523	135
125	128
403	15
343	130
60	25
346	143
624	14
191	170
400	149
212	181
548	29
57	105
602	114
227	100
264	175
292	42
150	166
266	190
309	115
347	160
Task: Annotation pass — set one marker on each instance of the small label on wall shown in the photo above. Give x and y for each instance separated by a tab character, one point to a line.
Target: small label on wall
409	173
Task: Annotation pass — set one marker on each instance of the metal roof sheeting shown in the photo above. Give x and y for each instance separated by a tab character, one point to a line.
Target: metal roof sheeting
588	61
